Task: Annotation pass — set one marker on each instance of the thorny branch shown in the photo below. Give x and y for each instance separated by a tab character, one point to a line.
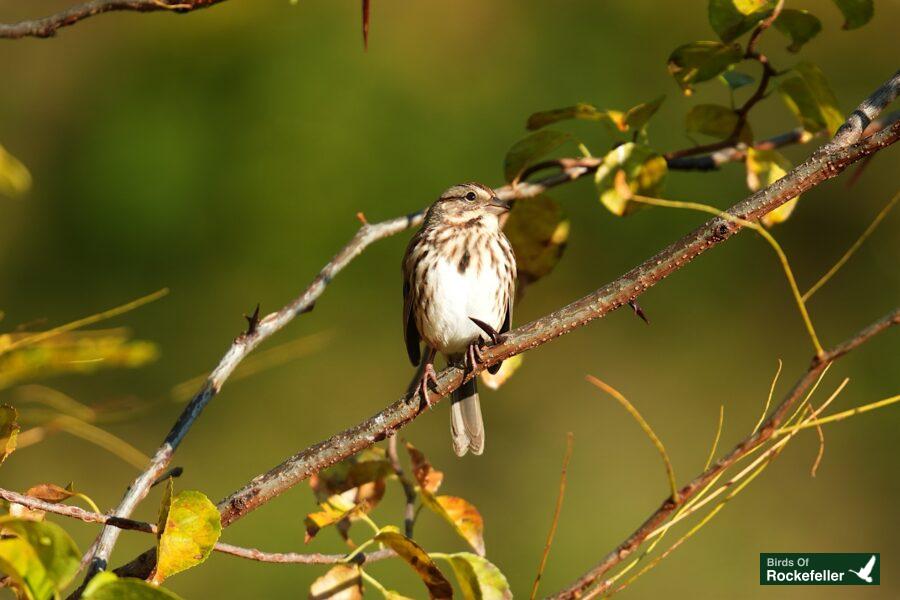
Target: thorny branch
48	26
819	167
760	436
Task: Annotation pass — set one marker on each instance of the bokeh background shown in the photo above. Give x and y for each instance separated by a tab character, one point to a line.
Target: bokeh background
224	154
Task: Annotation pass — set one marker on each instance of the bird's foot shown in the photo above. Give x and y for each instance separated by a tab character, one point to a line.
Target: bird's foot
473	355
429	376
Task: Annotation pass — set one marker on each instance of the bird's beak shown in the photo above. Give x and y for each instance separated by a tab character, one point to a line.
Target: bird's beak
498	206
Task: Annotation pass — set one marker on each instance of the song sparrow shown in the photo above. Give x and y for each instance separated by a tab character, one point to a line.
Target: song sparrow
459	277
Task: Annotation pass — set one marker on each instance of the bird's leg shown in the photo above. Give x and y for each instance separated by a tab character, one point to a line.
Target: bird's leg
490	331
428	376
473	354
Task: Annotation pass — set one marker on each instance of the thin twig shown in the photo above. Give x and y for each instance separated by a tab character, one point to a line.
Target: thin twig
409	488
765	411
570	440
86	516
753	441
48	26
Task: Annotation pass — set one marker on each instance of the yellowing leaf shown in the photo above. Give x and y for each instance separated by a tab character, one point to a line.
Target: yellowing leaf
465	518
799	26
529	149
9	430
582	111
50	492
106	586
418	559
701	61
189	527
341	582
428	477
40	557
335	509
15	179
538	232
509	367
811	100
638	116
478	578
732	18
765	167
856	12
644	173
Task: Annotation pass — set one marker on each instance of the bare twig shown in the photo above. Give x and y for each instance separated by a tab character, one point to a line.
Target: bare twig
818	168
624	549
48	26
132	525
409	489
570	440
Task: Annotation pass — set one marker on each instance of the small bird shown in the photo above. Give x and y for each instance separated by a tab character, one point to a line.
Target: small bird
459	277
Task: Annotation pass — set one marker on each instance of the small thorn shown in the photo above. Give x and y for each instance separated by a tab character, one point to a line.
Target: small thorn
361	216
365	24
638	311
252	321
174	473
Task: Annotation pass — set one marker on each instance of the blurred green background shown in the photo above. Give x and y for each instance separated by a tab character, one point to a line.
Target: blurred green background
225	153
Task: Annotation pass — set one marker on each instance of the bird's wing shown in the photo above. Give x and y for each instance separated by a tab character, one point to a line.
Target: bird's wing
410	331
867	570
507	320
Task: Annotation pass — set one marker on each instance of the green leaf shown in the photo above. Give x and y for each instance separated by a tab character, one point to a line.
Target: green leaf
462	516
856	12
478	578
526	151
731	19
15	179
418	559
40	557
189	527
638	116
701	61
106	586
765	167
341	582
810	98
735	79
538	231
9	430
644	172
581	111
711	119
799	26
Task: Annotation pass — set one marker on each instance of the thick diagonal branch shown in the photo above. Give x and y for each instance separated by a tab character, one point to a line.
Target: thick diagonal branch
48	26
818	168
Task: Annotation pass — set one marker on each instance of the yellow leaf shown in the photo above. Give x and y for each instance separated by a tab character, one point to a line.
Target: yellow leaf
465	518
341	582
106	586
335	509
478	578
510	366
189	527
418	559
765	167
40	557
15	179
9	430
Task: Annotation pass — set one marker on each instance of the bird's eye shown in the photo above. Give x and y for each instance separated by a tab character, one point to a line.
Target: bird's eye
471	196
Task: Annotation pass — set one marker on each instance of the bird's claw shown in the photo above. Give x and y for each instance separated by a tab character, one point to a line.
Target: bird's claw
473	355
490	331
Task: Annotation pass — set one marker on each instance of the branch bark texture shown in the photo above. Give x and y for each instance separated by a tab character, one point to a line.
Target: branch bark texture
48	26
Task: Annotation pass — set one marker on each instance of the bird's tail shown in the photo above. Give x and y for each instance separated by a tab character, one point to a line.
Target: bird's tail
466	425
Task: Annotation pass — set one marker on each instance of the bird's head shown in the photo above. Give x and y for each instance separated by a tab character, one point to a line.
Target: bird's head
469	201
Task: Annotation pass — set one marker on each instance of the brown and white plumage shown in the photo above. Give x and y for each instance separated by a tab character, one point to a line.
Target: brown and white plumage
459	266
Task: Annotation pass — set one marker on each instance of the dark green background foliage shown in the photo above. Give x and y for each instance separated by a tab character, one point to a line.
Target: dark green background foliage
225	153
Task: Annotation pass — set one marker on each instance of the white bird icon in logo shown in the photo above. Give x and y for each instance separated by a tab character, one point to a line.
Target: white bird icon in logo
866	572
